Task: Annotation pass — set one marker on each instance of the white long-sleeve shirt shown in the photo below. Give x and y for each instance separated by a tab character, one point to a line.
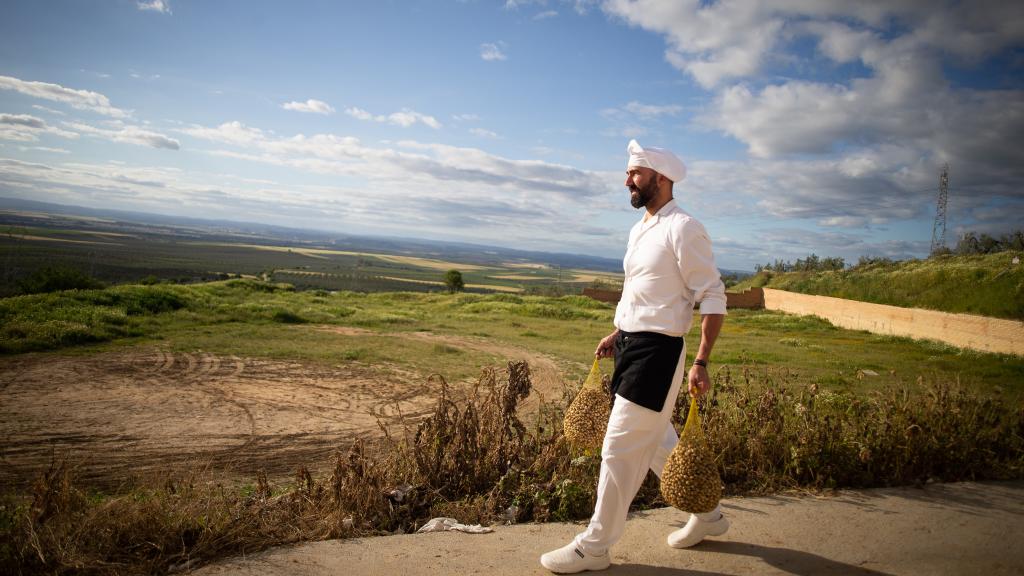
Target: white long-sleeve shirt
669	267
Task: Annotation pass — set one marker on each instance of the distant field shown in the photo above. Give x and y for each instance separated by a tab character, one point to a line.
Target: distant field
184	256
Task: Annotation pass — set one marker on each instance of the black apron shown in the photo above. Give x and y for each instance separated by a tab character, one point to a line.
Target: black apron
644	365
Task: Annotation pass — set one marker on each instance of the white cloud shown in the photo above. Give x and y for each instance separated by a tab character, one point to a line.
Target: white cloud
42	108
311	106
78	99
716	42
47	149
853	152
583	6
23	120
434	188
360	114
404	118
712	42
28	128
229	133
515	4
128	134
493	52
484	133
545	15
639	110
161	6
465	117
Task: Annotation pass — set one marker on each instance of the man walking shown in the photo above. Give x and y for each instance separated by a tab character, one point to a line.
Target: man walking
668	268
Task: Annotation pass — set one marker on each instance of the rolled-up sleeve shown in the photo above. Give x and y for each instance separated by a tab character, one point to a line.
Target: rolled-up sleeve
697	267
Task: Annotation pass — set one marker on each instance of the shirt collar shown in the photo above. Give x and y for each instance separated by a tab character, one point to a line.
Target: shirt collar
668	207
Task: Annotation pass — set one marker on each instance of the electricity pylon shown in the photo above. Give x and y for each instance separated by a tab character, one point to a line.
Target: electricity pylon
939	228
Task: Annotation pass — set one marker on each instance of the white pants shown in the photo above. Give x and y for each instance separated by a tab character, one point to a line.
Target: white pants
637	439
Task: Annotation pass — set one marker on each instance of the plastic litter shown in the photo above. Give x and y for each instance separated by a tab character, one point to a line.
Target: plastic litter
446	524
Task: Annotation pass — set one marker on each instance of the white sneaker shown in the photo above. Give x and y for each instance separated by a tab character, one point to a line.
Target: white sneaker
696	530
570	559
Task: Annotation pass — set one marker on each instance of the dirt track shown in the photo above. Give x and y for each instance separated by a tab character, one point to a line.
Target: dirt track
147	410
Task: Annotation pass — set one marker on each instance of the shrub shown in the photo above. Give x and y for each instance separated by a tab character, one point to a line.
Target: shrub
56	278
288	317
71	317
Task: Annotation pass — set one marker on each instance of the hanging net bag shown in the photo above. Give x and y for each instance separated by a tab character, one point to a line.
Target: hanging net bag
690	479
586	419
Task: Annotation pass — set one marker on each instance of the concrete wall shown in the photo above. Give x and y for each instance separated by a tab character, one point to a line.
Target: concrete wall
962	330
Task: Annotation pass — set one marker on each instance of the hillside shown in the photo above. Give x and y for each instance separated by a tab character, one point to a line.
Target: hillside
987	285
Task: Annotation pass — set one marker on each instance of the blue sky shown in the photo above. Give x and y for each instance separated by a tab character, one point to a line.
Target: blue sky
807	126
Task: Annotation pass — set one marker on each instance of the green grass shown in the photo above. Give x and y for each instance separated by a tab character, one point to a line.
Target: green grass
250	318
987	285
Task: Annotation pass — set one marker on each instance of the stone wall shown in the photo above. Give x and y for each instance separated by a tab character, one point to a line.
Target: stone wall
962	330
611	296
752	298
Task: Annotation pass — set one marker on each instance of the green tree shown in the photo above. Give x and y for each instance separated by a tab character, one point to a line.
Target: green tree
453	280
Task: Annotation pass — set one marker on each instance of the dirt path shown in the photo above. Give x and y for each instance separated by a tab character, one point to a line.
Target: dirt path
964	528
147	410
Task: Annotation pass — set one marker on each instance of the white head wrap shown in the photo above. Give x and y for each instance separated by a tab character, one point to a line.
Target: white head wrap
660	160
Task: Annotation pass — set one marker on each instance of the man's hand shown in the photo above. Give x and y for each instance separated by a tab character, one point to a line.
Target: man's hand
699	381
606	347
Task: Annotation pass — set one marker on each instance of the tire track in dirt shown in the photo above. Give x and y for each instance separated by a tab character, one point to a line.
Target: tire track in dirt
150	411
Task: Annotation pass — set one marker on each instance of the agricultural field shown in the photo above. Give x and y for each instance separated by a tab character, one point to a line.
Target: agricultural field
116	251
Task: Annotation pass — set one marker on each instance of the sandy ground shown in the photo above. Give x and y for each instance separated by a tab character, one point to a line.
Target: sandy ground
962	528
146	411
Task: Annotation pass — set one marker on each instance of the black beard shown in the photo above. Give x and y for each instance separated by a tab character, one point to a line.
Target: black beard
639	197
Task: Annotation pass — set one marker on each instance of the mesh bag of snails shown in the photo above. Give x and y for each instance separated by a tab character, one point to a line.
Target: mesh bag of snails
690	479
586	419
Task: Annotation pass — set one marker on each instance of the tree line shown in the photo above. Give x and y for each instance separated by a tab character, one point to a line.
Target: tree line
969	243
974	243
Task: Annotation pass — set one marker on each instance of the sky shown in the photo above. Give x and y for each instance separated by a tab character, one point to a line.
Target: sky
807	126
